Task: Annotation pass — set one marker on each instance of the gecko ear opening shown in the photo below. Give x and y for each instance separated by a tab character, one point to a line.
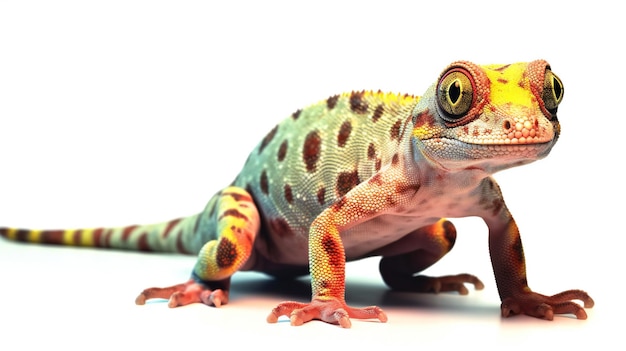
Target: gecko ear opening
455	94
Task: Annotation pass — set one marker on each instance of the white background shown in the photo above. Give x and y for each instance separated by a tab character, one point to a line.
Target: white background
123	112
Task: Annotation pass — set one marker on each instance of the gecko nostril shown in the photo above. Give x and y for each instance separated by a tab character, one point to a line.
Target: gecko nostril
507	125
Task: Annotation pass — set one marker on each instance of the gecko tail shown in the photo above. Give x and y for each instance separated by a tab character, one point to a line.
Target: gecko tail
175	236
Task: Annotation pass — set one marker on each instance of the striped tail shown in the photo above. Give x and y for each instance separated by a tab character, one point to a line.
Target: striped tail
177	236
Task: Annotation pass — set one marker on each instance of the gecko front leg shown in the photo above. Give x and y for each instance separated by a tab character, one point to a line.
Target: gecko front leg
509	266
327	264
327	259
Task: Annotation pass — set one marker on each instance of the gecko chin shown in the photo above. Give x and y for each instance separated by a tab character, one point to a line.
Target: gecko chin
453	154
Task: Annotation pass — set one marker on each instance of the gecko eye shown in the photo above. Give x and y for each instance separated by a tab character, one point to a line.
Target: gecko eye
552	91
455	93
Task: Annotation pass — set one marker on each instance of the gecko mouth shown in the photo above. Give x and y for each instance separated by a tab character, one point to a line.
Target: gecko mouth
454	150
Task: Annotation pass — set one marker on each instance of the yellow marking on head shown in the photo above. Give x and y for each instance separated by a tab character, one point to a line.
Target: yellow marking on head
509	84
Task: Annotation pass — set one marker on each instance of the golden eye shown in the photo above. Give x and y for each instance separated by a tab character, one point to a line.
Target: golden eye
455	93
552	91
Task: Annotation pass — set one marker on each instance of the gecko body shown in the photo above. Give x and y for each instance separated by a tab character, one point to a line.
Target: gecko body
365	174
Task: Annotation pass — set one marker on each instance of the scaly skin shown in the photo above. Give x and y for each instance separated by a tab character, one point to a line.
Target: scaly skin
368	174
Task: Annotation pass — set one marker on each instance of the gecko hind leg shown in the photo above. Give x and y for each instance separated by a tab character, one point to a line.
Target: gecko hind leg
233	222
192	291
427	245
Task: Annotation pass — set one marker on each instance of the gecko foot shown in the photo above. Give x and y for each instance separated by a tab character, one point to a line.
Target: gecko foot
185	294
330	310
447	283
426	284
545	307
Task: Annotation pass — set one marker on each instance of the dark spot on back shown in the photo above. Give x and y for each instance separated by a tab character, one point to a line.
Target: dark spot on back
311	150
264	183
378	112
331	102
346	181
320	195
282	151
395	130
296	114
371	151
344	133
288	193
268	138
357	104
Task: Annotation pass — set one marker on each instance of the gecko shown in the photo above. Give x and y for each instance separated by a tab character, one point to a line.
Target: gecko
363	174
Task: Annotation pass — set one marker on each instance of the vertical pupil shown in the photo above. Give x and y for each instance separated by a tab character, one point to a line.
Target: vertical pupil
455	91
557	88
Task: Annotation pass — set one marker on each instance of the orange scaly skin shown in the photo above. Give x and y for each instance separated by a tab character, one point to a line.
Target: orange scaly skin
367	174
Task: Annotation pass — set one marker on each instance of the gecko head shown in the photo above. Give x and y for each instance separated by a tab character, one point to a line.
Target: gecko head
491	117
